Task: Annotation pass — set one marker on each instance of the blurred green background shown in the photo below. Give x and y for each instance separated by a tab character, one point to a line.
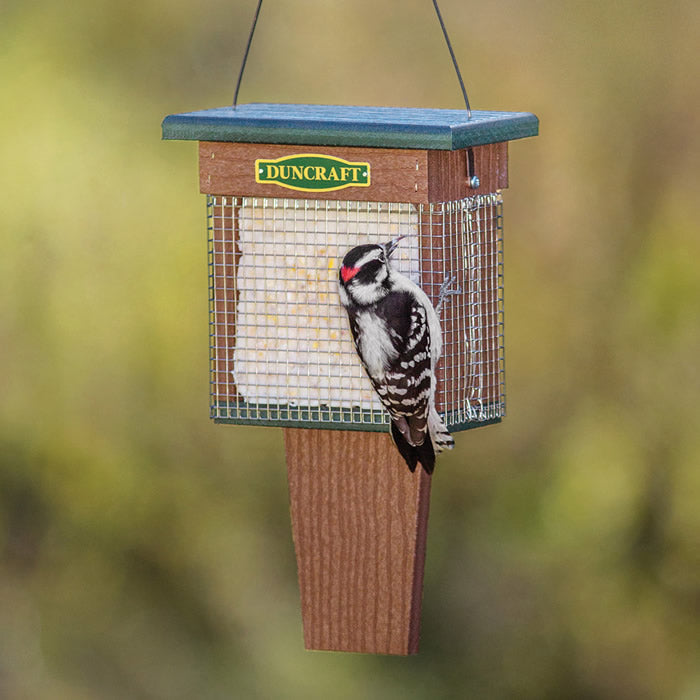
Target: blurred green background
146	553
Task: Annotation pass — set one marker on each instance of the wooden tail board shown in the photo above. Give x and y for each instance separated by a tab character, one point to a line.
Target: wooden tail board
360	522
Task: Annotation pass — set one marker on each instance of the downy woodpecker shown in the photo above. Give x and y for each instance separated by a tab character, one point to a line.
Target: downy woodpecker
398	338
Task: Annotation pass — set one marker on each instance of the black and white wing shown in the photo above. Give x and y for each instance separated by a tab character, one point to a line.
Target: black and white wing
403	377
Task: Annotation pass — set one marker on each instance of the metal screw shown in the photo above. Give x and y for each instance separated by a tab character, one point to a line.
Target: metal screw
474	182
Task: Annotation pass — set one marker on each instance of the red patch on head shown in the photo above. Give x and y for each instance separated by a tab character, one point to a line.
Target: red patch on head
347	273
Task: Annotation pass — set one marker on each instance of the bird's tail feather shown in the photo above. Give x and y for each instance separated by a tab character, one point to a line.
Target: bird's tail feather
414	454
440	436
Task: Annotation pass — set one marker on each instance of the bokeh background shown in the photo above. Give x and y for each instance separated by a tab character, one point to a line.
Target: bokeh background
146	553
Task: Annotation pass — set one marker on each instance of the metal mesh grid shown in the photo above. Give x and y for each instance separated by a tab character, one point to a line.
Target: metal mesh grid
281	350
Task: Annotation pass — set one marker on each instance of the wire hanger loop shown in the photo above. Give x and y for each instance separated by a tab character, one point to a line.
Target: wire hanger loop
442	26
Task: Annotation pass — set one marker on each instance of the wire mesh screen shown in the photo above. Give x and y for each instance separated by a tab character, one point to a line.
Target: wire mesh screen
281	349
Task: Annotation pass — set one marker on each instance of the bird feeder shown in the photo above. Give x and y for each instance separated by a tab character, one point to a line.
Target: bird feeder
290	189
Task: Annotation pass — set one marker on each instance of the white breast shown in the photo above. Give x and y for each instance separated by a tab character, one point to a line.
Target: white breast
375	346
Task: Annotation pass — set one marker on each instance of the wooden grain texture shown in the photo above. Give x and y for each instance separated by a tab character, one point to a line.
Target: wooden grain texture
447	172
397	175
359	520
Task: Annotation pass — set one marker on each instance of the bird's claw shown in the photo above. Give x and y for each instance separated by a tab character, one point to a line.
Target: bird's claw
447	288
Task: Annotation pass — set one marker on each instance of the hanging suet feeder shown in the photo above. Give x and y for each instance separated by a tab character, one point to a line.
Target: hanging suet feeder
290	190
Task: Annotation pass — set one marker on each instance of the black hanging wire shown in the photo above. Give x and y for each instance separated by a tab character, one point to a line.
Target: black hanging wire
245	55
442	25
454	59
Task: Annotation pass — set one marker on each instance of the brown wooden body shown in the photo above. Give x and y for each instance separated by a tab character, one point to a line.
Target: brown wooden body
359	516
398	175
360	521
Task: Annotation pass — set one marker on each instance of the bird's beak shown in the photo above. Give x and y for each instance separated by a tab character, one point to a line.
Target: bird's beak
390	247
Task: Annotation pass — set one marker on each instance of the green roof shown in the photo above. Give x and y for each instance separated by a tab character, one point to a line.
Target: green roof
343	125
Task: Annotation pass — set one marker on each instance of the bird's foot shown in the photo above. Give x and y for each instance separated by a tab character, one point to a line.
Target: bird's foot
447	288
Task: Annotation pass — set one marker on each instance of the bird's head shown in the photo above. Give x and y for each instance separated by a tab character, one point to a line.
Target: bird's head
365	273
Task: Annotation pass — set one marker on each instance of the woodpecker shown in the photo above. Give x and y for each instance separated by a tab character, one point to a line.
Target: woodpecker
397	335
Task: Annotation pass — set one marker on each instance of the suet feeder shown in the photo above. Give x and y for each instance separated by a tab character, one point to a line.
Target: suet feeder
290	189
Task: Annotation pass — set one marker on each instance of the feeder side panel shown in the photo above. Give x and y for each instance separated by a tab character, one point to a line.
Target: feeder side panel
396	175
462	241
223	261
447	172
432	276
443	256
453	370
447	176
491	300
486	264
359	521
485	351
